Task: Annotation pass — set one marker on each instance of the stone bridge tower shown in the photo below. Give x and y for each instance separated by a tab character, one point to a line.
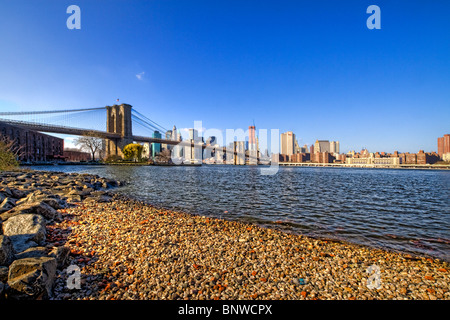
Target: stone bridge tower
118	120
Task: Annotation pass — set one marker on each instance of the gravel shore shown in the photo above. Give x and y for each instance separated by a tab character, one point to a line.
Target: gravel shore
126	249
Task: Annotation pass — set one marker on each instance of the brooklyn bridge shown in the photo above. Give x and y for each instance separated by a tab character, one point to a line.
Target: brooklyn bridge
117	127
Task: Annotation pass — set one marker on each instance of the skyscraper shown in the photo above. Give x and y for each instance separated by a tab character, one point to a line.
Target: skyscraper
288	143
334	147
156	147
252	146
444	145
322	146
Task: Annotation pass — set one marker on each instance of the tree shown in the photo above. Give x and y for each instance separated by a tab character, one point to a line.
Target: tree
9	153
89	142
133	151
165	156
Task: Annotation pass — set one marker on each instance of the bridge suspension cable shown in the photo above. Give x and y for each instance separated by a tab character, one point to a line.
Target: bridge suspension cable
46	112
144	124
148	121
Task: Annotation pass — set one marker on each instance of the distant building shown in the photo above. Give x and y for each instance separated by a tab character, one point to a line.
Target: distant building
334	146
75	155
322	146
33	145
156	147
374	161
287	143
427	158
299	157
252	146
146	150
443	145
322	157
193	154
239	148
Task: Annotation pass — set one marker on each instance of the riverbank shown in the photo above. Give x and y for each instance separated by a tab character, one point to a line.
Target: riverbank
127	249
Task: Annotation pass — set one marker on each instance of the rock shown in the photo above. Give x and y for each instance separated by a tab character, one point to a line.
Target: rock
16	193
40	208
74	198
25	231
104	198
6	251
33	252
31	278
60	254
4	273
7	204
6	191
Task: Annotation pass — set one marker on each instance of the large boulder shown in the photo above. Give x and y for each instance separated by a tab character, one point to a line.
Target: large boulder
38	207
31	278
25	231
6	251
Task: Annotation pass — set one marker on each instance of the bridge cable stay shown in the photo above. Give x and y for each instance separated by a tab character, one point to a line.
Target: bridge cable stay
137	113
144	124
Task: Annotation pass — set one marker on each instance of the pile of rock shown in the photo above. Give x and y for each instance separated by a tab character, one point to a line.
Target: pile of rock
29	201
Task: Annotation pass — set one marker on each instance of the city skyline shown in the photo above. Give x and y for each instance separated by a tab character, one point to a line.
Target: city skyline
314	69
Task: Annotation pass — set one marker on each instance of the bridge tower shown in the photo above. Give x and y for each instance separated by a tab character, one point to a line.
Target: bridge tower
118	120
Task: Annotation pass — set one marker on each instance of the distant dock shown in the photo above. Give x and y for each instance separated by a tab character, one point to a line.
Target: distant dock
380	166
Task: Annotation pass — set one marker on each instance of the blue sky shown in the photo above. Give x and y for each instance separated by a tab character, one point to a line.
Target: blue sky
312	67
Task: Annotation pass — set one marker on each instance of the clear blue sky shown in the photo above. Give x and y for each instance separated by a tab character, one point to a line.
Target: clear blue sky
312	67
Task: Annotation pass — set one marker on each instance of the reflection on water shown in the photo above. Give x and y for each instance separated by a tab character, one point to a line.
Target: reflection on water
406	210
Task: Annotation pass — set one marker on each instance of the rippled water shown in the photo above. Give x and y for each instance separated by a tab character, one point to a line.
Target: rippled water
402	210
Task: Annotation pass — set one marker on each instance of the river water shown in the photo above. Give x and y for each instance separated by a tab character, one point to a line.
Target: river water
400	210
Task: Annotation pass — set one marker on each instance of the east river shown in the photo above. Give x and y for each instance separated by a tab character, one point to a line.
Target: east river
400	210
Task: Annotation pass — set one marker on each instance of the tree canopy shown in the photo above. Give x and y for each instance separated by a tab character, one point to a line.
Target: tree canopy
133	151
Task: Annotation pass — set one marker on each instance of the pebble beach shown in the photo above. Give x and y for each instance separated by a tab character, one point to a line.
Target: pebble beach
127	249
68	237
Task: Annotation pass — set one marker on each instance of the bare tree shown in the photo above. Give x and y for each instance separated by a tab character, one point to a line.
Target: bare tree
90	142
164	156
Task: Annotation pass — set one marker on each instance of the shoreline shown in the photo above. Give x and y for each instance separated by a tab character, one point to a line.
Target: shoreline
128	249
285	164
175	255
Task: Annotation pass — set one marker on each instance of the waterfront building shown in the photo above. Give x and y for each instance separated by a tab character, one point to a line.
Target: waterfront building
322	157
33	145
156	147
75	155
444	145
252	146
239	148
193	154
334	146
373	161
287	143
322	146
427	158
299	157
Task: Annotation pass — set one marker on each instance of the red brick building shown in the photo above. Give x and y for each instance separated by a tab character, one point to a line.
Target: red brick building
76	155
299	157
33	145
443	144
424	158
322	157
